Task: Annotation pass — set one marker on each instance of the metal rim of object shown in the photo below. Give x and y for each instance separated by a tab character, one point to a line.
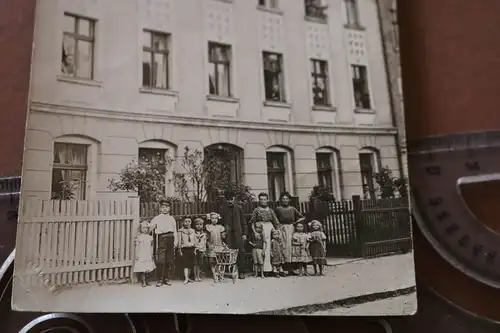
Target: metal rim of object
444	253
385	325
452	143
484	320
55	316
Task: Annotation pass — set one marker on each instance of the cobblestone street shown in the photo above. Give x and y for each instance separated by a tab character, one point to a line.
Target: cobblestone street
344	280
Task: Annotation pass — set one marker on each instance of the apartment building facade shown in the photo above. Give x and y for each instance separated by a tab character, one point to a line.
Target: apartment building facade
296	90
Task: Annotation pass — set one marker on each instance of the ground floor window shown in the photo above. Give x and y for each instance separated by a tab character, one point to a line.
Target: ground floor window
278	172
154	155
69	171
369	165
230	160
328	168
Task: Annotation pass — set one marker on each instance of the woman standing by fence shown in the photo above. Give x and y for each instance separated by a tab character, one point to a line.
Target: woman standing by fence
288	216
267	218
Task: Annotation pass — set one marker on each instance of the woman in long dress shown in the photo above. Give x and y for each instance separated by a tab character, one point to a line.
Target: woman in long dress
266	217
288	216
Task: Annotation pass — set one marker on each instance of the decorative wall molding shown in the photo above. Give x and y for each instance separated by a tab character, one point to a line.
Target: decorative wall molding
207	121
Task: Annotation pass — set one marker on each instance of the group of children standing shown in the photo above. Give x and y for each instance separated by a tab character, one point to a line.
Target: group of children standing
196	245
307	248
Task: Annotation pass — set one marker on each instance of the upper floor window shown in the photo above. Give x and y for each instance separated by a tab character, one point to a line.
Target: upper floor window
269	3
352	13
155	60
69	171
274	80
360	87
78	47
315	9
319	73
219	75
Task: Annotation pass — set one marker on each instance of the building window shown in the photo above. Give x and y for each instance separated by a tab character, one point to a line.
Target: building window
274	80
149	155
219	76
328	168
153	156
273	4
369	165
78	47
352	13
360	87
315	9
276	174
319	72
325	170
69	171
155	60
229	161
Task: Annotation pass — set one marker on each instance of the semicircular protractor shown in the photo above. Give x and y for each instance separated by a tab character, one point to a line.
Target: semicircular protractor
440	168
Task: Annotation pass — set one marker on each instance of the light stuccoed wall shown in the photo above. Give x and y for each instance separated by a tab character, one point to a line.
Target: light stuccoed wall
113	115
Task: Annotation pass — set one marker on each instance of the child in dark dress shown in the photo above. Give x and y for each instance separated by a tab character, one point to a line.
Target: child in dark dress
200	247
277	252
317	247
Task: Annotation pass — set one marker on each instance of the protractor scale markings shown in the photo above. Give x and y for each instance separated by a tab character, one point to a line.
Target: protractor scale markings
439	167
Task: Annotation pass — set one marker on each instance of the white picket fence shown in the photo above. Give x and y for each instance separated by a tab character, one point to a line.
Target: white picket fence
73	242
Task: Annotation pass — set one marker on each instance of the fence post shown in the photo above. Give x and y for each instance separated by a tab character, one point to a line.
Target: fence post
358	221
135	210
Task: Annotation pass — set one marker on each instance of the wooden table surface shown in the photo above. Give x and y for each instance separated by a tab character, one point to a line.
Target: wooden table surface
451	70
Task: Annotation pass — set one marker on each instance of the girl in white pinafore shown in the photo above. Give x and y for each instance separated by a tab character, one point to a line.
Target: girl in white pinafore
144	262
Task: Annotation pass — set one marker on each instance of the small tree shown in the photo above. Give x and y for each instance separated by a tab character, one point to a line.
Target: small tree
67	189
206	176
203	176
146	177
389	186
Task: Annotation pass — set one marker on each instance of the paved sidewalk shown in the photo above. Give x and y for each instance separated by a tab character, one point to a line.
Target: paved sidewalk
346	280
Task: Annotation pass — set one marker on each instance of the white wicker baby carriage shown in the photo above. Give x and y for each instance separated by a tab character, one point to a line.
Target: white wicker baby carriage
226	264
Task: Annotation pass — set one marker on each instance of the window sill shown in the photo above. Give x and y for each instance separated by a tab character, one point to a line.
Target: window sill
354	26
316	19
81	81
274	104
328	108
216	98
365	111
276	11
156	91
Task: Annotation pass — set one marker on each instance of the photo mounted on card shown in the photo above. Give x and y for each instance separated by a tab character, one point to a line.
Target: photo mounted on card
215	156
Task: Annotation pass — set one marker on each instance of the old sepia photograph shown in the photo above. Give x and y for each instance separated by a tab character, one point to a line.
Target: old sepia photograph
215	156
